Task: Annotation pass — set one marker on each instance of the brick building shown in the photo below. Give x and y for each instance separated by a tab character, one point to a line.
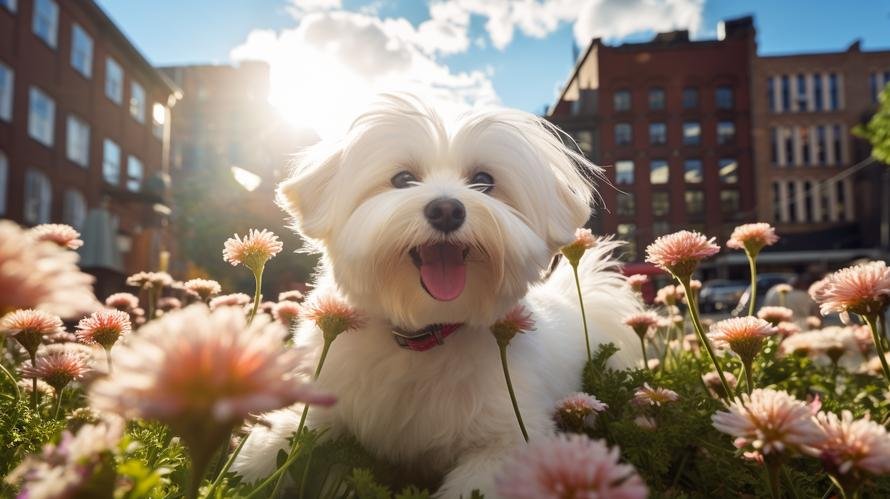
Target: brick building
670	121
84	134
815	180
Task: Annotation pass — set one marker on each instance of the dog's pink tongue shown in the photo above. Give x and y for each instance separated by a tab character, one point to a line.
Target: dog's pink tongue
443	271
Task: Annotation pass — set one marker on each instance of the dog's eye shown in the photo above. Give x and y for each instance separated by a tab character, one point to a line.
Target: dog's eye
402	180
482	182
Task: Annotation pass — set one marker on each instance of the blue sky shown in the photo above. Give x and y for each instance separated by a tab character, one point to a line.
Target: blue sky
458	56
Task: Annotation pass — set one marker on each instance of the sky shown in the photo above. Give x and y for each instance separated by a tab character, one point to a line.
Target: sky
329	57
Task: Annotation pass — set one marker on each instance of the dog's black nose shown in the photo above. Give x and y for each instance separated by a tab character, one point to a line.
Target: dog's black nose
445	214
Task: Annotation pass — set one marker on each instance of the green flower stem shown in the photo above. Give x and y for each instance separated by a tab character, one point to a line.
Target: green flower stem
200	462
225	468
15	386
33	383
752	264
645	356
772	473
258	280
879	345
583	313
278	475
58	404
503	349
749	379
108	358
696	323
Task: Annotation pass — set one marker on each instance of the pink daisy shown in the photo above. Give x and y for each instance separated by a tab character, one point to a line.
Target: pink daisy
769	421
517	320
292	295
642	323
230	300
775	315
150	280
58	366
254	250
63	235
861	289
853	445
104	327
680	253
715	386
578	411
637	281
584	240
752	237
656	397
742	335
332	315
202	288
286	312
125	302
569	466
786	329
669	295
30	327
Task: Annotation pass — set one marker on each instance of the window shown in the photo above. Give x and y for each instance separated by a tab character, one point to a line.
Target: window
134	174
621	100
804	133
6	85
45	22
837	140
728	168
817	92
777	202
657	133
723	97
623	135
690	98
692	171
4	180
801	92
695	202
624	172
771	93
729	203
111	162
74	209
584	138
41	116
137	102
792	201
10	6
725	132
625	204
658	173
627	232
788	145
38	197
159	118
774	145
786	93
691	133
78	141
808	207
656	98
114	81
660	228
833	92
661	204
81	51
821	146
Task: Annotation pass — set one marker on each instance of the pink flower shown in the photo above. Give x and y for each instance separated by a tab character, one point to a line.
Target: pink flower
569	466
680	253
743	335
775	315
770	421
104	327
58	366
861	289
292	295
202	373
63	235
253	251
786	329
286	312
30	327
517	320
637	281
657	397
584	240
150	280
125	302
202	288
642	322
577	412
231	300
40	275
669	295
752	237
852	445
817	290
712	381
169	303
647	423
43	388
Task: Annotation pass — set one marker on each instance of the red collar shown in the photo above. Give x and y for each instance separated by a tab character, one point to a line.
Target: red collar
426	338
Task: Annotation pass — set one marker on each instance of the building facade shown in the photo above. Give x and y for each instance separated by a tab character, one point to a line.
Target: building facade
84	134
670	122
816	181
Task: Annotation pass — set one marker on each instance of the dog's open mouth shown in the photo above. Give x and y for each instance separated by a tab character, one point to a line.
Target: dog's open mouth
443	269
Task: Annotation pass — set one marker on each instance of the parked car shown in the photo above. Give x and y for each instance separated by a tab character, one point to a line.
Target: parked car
764	283
720	295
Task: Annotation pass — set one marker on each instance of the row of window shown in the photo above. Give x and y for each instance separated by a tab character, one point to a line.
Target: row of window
805	92
693	171
806	201
723	98
658	131
815	145
877	81
694	203
38	198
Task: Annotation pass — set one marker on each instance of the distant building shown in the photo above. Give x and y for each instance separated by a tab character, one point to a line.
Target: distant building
670	121
84	134
815	181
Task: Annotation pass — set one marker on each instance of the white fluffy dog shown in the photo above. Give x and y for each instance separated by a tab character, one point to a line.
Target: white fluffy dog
421	226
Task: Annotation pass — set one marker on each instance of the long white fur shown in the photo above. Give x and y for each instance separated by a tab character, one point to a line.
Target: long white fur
446	412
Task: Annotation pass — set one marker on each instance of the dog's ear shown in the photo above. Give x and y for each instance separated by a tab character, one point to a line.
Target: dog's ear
307	195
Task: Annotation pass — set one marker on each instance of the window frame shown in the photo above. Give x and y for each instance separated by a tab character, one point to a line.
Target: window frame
618	176
718	100
51	37
732	179
67	216
657	96
686	141
724	139
615	100
137	101
112	67
83	140
39	182
86	50
667	169
7	94
630	134
658	125
45	136
687	91
130	178
108	144
700	169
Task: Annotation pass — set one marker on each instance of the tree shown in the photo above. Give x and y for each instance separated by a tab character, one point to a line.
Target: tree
877	130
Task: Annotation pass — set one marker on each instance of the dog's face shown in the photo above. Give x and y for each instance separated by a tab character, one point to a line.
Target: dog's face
421	226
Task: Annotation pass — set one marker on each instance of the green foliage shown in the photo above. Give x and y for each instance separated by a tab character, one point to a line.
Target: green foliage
23	432
877	130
